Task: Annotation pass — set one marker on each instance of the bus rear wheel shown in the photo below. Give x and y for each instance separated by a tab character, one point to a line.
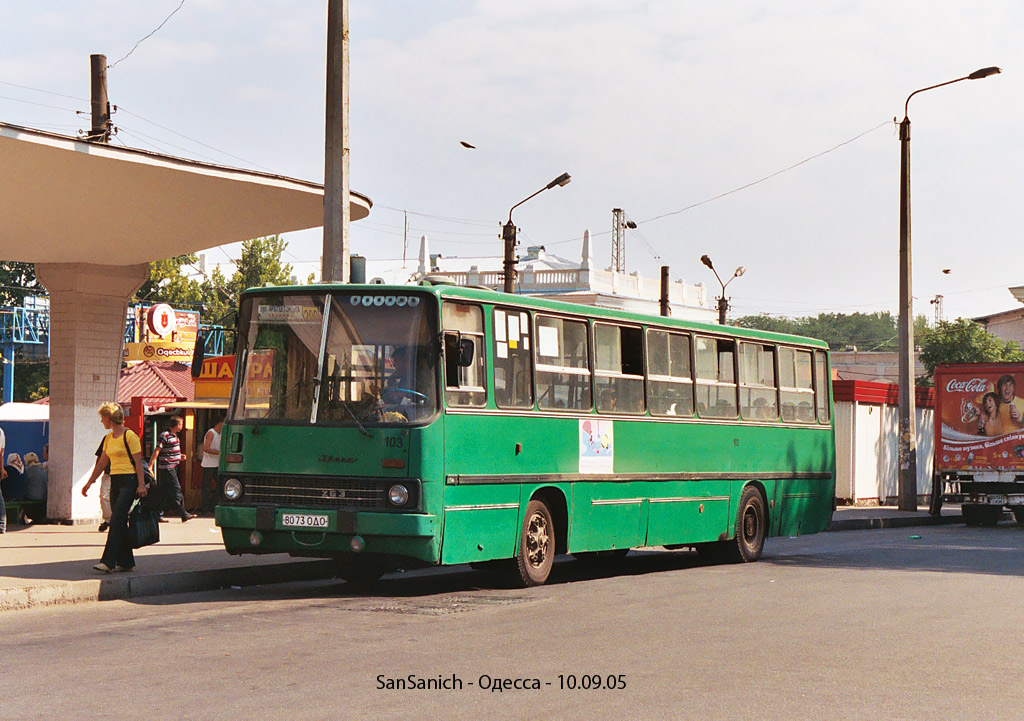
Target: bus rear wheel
750	529
536	546
1018	515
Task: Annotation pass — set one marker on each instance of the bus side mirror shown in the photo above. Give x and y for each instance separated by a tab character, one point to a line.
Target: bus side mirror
198	354
466	349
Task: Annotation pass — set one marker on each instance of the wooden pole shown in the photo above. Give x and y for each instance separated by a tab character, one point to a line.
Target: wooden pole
100	131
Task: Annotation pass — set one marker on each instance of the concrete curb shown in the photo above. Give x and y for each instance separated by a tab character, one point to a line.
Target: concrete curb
862	524
125	586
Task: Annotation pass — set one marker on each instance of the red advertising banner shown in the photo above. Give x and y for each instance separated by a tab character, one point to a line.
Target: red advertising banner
980	418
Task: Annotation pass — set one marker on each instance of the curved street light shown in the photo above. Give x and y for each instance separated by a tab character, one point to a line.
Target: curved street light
508	232
723	302
907	441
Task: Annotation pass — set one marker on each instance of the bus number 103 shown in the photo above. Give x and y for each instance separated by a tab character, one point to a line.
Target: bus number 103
593	680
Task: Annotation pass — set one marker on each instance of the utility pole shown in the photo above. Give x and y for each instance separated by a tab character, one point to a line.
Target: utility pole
618	241
620	222
335	263
664	306
937	302
100	131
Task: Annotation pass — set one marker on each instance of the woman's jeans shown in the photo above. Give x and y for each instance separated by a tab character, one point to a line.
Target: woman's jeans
118	551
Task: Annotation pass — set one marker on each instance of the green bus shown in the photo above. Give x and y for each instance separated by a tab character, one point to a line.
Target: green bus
396	426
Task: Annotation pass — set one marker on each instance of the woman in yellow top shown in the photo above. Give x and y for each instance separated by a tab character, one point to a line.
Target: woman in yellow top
126	482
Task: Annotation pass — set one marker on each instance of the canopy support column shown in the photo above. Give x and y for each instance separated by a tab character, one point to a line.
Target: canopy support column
88	304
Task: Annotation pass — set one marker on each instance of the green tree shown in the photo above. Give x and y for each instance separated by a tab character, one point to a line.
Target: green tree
168	284
18	280
260	263
963	341
31	379
865	331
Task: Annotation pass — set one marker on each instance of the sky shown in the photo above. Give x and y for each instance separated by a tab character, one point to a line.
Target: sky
659	107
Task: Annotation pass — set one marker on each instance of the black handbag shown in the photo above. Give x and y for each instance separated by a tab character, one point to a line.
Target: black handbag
143	526
146	473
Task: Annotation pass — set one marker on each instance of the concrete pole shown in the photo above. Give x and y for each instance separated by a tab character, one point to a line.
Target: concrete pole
907	440
337	213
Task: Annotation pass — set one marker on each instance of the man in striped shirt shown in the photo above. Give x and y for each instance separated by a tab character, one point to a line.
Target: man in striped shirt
167	455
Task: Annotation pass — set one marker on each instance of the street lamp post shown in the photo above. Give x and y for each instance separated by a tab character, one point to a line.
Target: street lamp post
723	302
508	233
907	442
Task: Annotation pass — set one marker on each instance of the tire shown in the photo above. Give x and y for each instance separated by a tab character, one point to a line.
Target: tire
1018	515
978	515
751	525
536	546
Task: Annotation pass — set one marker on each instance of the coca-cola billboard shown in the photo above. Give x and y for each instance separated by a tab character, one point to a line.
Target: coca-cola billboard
979	417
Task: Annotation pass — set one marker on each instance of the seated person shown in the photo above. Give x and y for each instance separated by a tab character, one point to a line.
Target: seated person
35	488
400	394
13	487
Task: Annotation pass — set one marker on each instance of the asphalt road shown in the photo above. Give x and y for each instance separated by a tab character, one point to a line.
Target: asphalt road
892	624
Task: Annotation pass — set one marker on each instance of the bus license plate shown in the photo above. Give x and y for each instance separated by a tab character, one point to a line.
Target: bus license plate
304	520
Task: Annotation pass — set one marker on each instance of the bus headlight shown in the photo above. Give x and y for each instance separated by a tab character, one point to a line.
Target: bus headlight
232	489
398	495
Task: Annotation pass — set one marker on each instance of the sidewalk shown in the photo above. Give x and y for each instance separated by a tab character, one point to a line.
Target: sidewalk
52	564
859	518
44	565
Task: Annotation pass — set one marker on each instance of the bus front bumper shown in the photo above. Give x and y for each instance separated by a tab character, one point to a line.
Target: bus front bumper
320	532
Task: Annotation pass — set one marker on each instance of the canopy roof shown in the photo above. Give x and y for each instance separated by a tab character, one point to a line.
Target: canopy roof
65	200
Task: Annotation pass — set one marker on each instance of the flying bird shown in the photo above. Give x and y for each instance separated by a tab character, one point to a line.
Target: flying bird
464	144
947	271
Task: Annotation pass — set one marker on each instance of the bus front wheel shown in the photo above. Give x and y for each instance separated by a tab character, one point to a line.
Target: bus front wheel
750	529
536	546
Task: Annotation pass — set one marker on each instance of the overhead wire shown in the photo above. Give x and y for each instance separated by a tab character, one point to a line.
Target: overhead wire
147	37
41	105
40	90
121	108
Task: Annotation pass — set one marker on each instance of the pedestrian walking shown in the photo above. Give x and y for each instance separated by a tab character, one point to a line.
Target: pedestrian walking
167	456
123	449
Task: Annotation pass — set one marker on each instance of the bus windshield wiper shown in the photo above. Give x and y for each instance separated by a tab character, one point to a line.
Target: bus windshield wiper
362	428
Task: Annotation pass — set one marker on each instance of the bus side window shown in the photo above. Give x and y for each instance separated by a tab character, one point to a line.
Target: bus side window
513	372
618	369
464	359
758	394
669	376
562	357
796	385
716	382
821	386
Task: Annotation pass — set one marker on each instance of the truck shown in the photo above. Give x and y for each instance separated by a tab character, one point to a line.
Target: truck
979	439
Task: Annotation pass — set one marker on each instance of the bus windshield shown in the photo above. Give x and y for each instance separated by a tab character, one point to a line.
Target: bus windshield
370	359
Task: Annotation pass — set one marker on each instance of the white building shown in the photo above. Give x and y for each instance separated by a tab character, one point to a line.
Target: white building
543	273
